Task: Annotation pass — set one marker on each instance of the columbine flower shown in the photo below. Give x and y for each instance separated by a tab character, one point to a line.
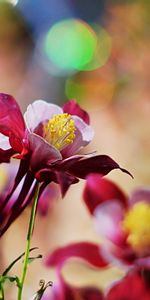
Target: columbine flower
47	141
134	286
124	223
61	289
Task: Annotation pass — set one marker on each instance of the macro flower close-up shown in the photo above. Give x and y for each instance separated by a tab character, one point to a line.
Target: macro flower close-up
122	221
74	150
47	140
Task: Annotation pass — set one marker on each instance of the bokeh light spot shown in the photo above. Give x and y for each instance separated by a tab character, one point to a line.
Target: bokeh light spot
71	44
97	89
74	89
103	49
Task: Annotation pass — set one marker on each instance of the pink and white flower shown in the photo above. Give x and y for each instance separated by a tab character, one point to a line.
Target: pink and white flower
123	222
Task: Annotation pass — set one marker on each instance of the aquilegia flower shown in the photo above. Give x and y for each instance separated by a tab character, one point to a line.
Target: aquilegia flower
47	140
123	222
60	290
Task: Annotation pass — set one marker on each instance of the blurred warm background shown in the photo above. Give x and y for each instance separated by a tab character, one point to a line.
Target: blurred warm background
97	52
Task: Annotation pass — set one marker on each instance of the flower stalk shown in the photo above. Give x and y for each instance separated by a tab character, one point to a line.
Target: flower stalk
28	241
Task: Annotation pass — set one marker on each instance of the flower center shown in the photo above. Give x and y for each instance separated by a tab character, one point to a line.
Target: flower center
137	225
60	131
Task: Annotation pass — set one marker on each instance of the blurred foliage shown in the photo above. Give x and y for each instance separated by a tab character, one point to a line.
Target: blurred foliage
13	27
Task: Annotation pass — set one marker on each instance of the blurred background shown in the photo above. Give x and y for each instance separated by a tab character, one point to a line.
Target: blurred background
97	52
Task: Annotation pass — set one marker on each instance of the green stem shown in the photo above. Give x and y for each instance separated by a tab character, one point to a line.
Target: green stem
1	292
28	242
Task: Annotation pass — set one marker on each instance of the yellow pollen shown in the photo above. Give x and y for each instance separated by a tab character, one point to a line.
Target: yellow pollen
60	131
137	225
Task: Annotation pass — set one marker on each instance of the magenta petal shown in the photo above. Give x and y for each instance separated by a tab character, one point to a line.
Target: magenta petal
11	121
72	107
143	262
42	153
98	190
101	164
87	251
134	286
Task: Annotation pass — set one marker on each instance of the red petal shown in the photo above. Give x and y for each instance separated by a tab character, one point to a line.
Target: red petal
98	190
101	164
65	180
66	164
73	108
5	155
11	121
85	250
135	286
69	292
14	211
22	170
89	293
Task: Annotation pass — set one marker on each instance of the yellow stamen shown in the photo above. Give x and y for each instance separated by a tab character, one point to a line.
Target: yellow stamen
137	225
60	131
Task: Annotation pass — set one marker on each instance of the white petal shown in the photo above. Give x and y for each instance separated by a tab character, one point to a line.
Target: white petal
4	142
86	131
83	136
108	217
40	111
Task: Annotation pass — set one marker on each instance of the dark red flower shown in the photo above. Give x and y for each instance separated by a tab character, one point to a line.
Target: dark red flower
123	222
48	141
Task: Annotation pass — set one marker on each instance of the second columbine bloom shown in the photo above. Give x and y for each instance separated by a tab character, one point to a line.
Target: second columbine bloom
123	222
